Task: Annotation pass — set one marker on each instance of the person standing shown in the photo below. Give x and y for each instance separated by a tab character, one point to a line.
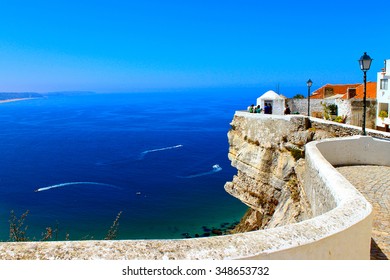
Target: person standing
287	110
267	108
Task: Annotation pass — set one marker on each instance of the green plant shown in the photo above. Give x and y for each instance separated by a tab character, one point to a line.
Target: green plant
298	96
297	153
383	115
339	119
17	229
328	110
112	232
48	234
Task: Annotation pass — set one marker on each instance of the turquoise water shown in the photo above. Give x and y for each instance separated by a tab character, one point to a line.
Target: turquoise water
76	161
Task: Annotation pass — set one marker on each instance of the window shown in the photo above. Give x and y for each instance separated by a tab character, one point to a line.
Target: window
384	84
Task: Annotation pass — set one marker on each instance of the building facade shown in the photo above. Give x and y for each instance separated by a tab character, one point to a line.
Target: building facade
349	101
383	96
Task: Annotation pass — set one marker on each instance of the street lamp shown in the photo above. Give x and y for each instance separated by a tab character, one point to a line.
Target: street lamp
309	84
365	63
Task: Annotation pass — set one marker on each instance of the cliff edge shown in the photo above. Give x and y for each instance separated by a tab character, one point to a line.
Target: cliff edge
268	152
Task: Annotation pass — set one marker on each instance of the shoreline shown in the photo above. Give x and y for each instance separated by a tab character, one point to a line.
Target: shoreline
15	99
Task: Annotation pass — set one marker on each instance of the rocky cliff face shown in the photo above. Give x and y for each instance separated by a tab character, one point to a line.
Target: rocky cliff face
268	152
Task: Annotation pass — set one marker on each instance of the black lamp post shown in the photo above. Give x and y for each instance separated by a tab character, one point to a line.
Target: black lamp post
365	63
309	84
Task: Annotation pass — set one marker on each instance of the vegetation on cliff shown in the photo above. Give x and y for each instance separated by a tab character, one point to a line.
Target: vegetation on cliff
18	230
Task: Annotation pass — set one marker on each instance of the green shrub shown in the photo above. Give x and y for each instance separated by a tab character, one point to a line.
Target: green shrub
383	115
297	153
18	229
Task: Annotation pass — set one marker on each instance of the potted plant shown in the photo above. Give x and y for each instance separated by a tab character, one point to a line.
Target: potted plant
383	115
326	111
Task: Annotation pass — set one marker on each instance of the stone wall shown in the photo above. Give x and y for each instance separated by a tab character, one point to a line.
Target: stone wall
351	108
300	105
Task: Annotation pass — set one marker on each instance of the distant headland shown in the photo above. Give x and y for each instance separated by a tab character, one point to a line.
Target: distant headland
17	96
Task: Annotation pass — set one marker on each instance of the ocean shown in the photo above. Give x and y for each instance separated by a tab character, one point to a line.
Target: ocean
76	161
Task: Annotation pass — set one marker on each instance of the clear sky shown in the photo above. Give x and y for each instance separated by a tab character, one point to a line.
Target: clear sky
124	46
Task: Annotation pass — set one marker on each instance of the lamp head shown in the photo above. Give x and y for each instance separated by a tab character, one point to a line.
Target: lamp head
365	62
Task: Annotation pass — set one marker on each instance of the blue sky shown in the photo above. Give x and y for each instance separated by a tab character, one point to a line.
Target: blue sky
124	46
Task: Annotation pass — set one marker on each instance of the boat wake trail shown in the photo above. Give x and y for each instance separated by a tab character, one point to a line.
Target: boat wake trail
216	168
74	183
142	155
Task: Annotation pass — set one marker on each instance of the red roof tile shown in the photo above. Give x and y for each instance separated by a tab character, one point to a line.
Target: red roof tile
370	91
330	90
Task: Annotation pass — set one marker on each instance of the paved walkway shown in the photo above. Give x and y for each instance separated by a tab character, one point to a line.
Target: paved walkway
374	183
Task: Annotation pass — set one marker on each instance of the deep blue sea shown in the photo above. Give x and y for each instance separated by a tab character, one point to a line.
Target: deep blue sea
160	158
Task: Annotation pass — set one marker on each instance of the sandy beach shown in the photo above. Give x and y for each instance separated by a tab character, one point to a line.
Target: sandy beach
15	99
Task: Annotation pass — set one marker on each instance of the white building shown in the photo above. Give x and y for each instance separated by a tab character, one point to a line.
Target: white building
383	94
277	102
